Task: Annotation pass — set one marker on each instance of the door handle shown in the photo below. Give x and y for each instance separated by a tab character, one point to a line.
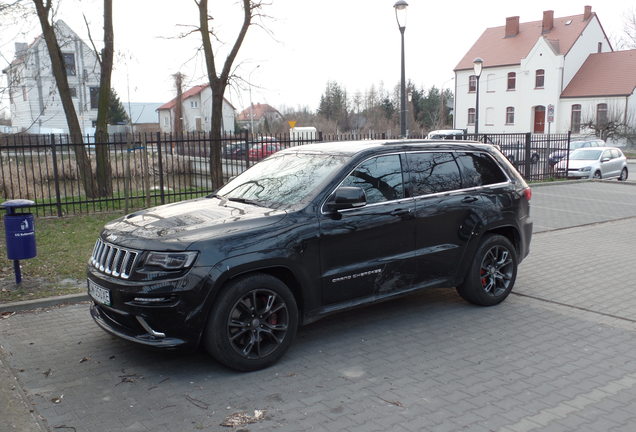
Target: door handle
401	212
469	199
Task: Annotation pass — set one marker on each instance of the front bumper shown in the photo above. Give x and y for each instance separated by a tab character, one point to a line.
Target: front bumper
574	174
176	322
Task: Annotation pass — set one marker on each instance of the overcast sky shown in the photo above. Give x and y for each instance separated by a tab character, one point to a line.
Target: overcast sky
300	45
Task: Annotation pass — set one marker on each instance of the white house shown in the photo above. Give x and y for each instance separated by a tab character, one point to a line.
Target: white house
196	111
33	96
259	118
560	66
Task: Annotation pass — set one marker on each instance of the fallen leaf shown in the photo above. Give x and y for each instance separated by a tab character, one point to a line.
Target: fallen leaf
46	373
84	359
58	399
241	418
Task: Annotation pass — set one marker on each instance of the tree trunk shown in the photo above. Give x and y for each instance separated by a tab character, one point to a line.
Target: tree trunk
59	72
103	168
219	82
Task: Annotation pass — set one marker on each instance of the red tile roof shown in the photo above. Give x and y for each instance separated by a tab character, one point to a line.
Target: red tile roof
497	50
258	110
188	94
604	74
185	95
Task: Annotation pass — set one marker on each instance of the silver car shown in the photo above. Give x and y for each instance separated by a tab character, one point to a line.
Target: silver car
596	162
557	156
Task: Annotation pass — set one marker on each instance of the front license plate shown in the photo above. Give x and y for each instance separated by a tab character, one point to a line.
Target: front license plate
101	295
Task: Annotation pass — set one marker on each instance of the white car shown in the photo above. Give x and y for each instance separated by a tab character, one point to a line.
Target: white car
596	162
447	134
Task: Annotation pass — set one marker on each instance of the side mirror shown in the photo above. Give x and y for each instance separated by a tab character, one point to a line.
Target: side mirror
346	197
605	159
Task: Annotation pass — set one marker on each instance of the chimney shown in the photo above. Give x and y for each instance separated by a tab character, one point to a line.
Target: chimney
512	26
587	14
20	49
548	21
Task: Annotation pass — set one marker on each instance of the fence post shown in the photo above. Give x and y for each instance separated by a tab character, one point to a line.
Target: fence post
160	165
56	178
526	165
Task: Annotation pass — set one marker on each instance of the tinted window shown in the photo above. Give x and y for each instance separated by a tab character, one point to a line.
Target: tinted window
433	172
380	177
479	169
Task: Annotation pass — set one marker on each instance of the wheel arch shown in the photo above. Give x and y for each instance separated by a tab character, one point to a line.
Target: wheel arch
509	232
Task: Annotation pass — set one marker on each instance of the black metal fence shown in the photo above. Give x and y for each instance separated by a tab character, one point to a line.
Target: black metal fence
153	168
534	155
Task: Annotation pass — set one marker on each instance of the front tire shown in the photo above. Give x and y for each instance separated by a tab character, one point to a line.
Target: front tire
624	175
492	273
252	323
597	175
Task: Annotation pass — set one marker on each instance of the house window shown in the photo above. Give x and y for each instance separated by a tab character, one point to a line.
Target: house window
490	83
166	121
194	104
472	83
512	80
94	97
471	116
539	80
510	115
601	115
490	114
599	47
575	119
69	63
73	91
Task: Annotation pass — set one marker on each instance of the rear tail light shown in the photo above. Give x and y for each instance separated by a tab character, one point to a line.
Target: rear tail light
527	193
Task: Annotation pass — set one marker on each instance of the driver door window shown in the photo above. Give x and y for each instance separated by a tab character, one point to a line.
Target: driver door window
380	177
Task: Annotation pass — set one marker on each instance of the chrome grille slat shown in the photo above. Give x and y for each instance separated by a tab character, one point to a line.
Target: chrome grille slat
114	260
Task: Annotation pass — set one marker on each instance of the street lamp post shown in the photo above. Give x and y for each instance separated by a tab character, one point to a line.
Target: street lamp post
400	17
249	79
478	65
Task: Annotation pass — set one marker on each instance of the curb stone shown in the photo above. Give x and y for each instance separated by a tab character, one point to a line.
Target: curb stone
28	305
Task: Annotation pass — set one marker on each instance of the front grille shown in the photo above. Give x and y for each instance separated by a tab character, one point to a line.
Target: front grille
113	260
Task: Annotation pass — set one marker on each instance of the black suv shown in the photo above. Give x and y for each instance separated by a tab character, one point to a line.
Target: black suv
309	231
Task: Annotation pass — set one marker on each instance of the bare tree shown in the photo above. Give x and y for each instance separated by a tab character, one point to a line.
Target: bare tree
44	13
220	79
103	168
628	41
614	122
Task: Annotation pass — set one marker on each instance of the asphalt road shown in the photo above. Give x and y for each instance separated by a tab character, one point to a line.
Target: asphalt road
558	355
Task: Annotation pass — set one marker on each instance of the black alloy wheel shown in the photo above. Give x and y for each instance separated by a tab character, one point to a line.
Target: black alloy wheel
252	322
492	274
258	323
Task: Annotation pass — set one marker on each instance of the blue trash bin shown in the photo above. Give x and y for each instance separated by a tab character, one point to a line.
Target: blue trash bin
19	233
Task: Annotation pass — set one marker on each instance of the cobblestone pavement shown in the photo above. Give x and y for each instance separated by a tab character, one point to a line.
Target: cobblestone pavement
558	355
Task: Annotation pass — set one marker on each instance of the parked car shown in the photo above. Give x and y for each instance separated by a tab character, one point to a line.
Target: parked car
597	162
557	156
516	153
447	134
307	232
235	150
258	151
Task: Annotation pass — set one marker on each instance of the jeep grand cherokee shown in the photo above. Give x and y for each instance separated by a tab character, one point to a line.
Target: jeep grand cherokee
310	231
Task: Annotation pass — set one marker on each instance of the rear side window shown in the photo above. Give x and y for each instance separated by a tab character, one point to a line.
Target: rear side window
433	172
380	177
478	169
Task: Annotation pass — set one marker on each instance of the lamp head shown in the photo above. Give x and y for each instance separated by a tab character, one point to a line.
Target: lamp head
478	65
400	13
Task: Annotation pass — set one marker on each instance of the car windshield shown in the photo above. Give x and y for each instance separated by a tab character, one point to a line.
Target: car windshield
284	180
585	154
576	145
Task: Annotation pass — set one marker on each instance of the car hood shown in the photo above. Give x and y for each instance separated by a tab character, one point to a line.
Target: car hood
178	225
576	164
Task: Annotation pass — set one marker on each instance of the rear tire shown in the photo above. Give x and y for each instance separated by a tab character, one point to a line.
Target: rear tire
492	273
252	323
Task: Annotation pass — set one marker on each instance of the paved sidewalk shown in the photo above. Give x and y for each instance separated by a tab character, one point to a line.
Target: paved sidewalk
558	355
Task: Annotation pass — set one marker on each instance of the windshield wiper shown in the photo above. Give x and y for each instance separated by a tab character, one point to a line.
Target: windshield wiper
244	201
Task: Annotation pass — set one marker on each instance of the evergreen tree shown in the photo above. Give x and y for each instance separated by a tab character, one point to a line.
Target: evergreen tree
116	112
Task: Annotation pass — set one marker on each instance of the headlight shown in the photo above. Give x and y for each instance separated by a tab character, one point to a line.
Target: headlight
586	169
171	260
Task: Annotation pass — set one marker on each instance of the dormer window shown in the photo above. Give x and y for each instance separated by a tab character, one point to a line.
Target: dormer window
539	79
472	84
